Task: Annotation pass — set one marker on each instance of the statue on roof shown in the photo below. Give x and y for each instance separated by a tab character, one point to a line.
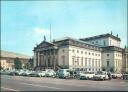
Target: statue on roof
44	38
117	35
111	32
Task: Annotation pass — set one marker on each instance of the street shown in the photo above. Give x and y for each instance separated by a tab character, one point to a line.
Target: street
22	83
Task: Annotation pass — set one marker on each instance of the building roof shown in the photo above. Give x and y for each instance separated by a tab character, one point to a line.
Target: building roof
101	36
77	42
13	55
70	38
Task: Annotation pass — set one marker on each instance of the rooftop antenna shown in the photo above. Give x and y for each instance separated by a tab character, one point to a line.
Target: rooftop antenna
50	32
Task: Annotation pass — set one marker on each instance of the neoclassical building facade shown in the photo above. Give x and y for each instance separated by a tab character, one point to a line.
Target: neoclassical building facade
92	54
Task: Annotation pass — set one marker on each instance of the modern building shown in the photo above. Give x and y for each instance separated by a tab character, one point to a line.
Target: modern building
96	53
7	59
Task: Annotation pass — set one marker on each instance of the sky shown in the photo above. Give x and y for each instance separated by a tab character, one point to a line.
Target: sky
24	23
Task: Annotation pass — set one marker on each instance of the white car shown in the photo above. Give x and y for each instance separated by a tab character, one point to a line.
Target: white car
37	74
50	73
26	73
85	75
101	75
42	73
116	75
89	75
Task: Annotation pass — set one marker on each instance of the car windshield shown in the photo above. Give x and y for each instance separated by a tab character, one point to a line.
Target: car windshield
99	73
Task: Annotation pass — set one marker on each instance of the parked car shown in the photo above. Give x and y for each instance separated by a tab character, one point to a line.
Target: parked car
100	75
4	72
26	73
64	73
50	73
14	72
116	75
34	74
37	74
80	75
20	72
42	73
89	75
125	76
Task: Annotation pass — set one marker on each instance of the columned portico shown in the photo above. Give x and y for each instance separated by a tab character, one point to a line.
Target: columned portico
45	56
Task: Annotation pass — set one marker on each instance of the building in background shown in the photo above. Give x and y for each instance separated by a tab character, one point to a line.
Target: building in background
125	60
102	52
111	51
7	59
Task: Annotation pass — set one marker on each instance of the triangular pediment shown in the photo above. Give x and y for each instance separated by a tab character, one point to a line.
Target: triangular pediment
45	44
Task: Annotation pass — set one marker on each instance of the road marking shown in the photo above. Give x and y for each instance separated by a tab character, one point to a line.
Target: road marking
9	89
40	86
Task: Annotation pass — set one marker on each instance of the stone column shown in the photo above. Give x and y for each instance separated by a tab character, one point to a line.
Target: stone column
54	59
47	59
35	59
38	58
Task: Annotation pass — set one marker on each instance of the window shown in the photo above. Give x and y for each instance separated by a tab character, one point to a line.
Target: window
77	60
99	63
92	62
104	43
92	42
107	63
107	54
93	54
73	51
89	53
81	52
86	53
82	61
89	61
96	62
85	61
73	61
77	51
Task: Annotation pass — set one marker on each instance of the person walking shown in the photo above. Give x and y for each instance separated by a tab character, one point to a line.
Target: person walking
109	75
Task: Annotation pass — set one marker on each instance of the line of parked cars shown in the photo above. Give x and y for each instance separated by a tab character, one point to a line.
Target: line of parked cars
66	73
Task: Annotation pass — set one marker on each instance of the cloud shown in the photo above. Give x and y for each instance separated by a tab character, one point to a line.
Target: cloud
41	32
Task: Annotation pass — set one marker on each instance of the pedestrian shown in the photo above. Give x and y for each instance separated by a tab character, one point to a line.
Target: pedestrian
109	75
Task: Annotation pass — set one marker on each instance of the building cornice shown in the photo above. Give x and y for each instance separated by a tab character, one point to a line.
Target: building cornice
101	36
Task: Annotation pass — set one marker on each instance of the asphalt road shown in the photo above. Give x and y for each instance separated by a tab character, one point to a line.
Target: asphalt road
21	83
